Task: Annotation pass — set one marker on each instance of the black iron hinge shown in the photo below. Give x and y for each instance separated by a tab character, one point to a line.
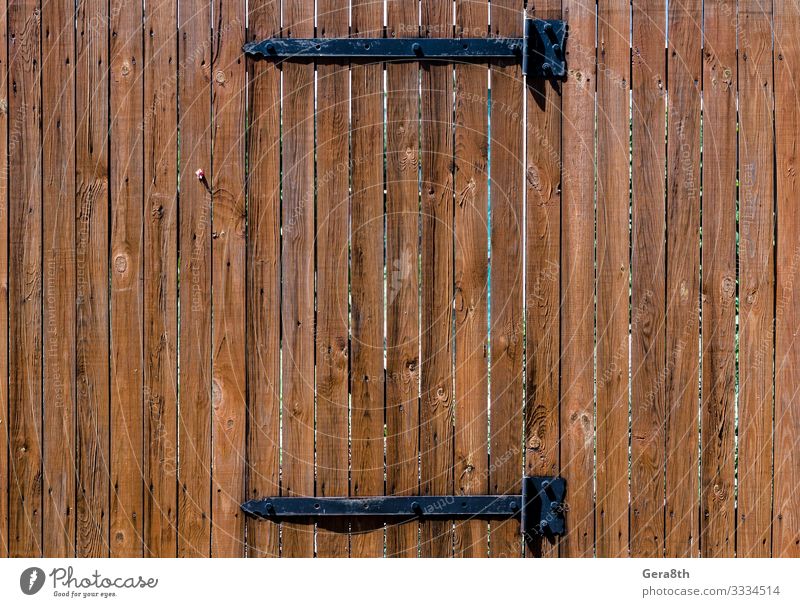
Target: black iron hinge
541	49
540	507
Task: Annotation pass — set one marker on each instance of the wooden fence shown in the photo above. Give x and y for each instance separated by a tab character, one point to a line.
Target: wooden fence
226	279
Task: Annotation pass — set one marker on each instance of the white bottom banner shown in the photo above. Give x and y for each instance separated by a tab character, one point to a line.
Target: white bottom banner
406	583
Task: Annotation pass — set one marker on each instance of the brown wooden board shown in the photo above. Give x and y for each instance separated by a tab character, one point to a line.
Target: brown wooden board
683	279
25	282
263	280
613	276
756	279
229	275
436	367
648	81
786	504
577	281
194	408
367	381
161	279
4	177
127	415
58	175
471	393
297	303
332	239
402	279
92	272
719	287
506	277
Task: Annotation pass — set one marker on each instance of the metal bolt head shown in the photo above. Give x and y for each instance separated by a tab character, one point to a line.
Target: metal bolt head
547	68
543	523
417	48
548	27
513	505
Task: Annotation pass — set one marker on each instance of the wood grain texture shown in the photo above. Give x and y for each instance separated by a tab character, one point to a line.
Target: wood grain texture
25	282
436	329
4	177
683	279
263	280
756	279
161	278
506	277
543	277
58	175
92	273
471	280
719	280
613	277
402	288
333	252
786	504
229	277
648	280
194	412
577	281
127	414
297	303
367	381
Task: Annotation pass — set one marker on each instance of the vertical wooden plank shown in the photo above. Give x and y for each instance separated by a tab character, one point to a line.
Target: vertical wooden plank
648	279
543	276
58	167
613	276
577	282
471	279
436	154
4	175
756	279
194	419
229	273
264	286
683	278
786	505
25	282
719	279
92	270
297	303
506	182
367	374
402	288
333	194
127	495
161	278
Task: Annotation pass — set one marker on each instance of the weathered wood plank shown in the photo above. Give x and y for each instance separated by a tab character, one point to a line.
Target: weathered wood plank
91	260
127	415
786	504
58	168
719	280
471	279
683	279
25	281
506	336
263	282
367	381
297	303
402	288
333	356
613	276
194	420
648	279
577	281
4	176
436	155
161	278
229	276
756	279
